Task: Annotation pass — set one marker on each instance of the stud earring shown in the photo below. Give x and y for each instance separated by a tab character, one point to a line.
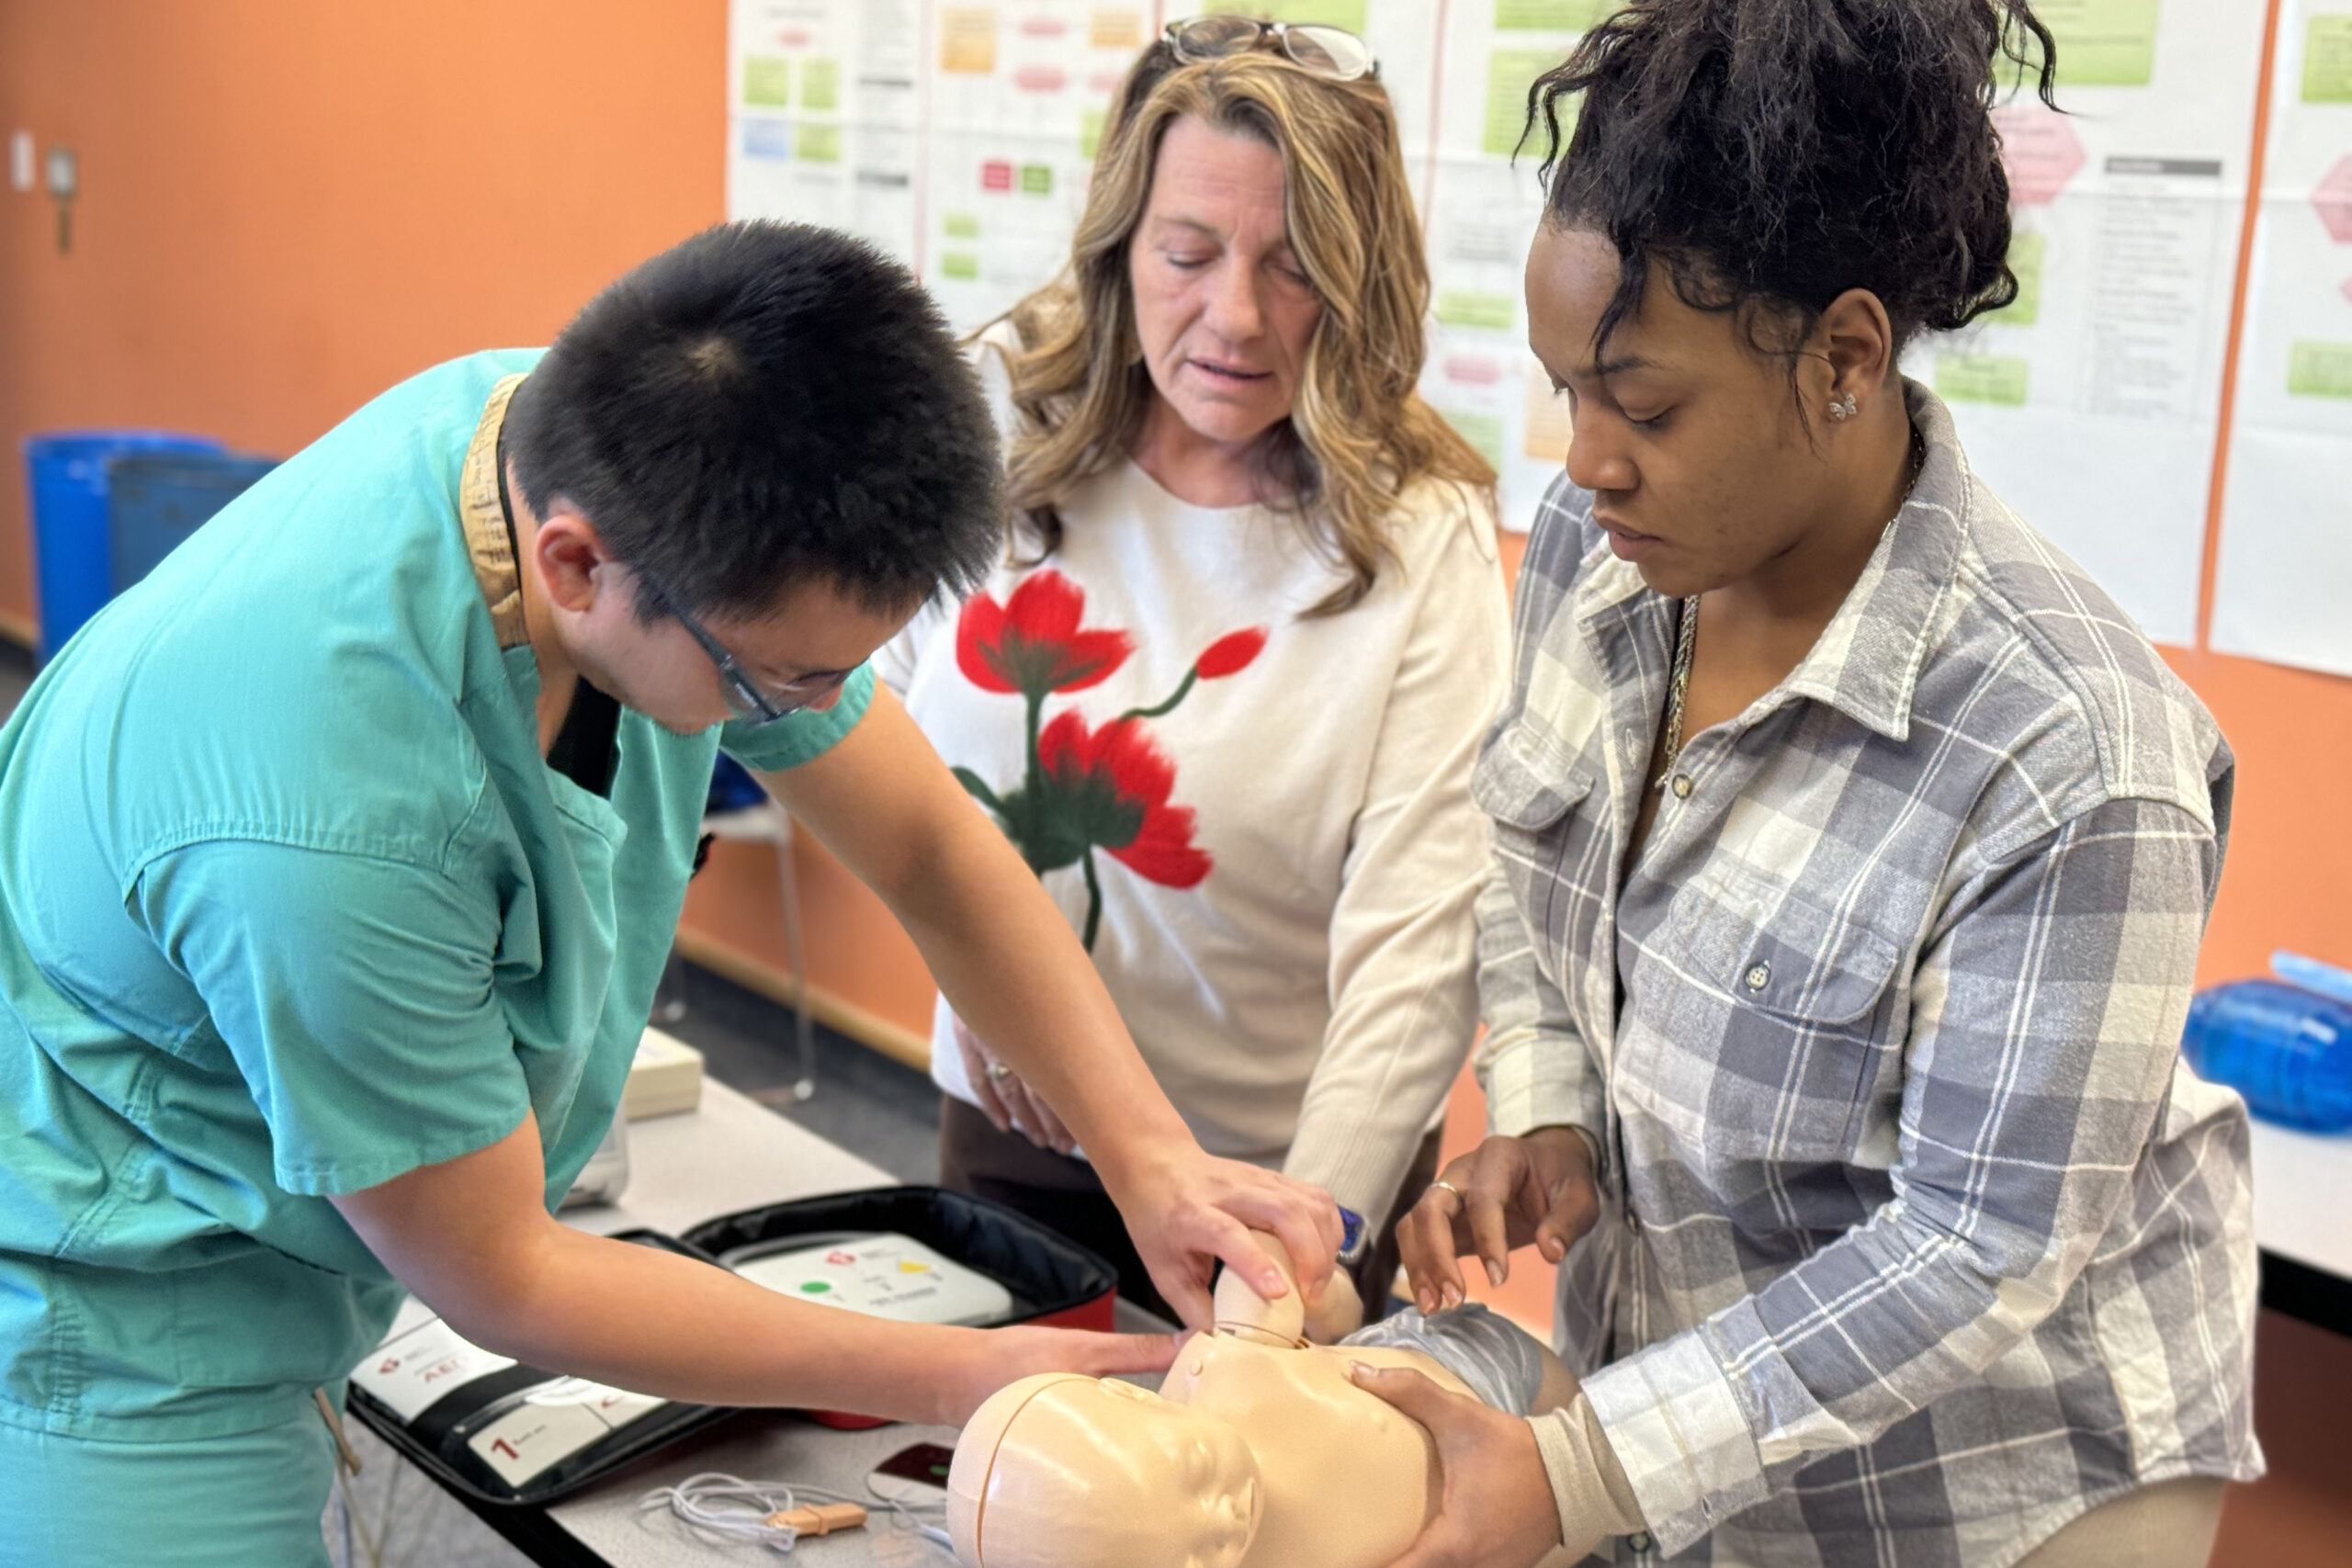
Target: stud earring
1842	409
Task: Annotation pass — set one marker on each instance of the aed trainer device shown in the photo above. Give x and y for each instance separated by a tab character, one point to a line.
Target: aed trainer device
879	1274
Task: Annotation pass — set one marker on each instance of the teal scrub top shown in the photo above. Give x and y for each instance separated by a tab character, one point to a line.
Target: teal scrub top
290	904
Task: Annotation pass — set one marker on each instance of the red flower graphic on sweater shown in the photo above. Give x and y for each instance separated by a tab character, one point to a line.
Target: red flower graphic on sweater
1032	644
1229	653
1085	789
1116	782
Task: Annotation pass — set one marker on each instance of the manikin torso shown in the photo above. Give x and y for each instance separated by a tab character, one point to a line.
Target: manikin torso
1259	1452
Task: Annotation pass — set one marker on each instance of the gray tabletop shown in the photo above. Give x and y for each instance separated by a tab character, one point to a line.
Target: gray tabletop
611	1520
731	1154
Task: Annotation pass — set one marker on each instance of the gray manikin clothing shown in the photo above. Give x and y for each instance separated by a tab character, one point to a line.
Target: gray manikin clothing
1499	1360
2169	1525
1503	1366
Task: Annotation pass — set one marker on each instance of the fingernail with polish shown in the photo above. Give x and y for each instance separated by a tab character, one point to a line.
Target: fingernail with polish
1451	1299
1494	1272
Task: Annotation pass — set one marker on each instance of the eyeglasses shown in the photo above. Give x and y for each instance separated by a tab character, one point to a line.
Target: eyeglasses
744	698
1333	52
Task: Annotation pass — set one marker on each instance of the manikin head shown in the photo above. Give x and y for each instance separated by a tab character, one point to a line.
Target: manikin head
1059	1471
1081	1472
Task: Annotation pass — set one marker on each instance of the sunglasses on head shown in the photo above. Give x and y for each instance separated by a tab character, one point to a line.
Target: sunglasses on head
1332	52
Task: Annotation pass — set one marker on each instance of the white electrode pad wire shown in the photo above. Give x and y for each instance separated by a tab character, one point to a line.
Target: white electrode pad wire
727	1508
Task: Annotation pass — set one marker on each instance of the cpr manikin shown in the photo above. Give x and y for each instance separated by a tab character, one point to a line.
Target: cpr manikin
1258	1451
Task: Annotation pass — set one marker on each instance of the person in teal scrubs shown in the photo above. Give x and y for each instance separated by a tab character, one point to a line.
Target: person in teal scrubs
339	860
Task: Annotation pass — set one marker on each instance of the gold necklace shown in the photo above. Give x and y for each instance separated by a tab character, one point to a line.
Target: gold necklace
1679	687
1686	642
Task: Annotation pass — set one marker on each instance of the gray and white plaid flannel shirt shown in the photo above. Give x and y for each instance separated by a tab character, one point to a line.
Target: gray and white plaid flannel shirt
1918	1240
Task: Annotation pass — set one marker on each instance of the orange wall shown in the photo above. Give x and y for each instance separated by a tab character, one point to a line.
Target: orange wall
287	207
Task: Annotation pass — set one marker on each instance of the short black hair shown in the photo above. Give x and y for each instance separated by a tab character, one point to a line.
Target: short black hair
1775	154
764	404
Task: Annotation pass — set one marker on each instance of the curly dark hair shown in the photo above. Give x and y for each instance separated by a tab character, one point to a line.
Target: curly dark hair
1772	154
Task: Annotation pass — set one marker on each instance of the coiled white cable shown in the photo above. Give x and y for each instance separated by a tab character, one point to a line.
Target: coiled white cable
727	1508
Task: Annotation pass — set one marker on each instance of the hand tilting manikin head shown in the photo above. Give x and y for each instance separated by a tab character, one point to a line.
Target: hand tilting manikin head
1288	1320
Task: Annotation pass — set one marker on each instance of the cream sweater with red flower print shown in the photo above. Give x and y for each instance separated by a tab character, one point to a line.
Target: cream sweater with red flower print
1262	822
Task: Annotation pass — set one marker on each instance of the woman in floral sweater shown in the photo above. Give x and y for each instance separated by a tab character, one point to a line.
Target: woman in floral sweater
1225	692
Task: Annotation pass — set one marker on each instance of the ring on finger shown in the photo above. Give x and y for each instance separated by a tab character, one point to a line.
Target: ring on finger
1459	1196
999	1072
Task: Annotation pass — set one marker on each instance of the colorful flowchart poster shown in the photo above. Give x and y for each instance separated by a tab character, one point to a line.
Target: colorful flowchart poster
1018	97
2283	592
2092	404
961	137
823	113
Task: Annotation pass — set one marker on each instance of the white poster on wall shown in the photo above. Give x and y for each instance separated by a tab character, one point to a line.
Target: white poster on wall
2284	587
1483	205
960	137
1019	92
822	112
2092	404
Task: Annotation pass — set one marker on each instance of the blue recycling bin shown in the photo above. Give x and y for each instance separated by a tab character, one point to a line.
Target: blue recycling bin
155	500
73	551
732	788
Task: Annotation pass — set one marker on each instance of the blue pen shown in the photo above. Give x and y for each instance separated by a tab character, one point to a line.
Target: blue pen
1355	1238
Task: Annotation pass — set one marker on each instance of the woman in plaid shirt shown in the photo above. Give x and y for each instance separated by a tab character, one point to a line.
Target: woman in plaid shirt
1853	854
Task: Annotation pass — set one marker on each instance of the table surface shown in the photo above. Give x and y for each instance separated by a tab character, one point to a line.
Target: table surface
730	1154
2302	1196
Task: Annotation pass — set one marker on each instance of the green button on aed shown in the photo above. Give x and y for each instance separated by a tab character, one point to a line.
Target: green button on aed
815	1288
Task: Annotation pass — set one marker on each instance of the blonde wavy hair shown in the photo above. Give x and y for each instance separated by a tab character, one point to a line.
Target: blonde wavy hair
1359	433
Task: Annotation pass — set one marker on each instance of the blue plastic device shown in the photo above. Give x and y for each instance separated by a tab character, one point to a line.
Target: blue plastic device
2287	1048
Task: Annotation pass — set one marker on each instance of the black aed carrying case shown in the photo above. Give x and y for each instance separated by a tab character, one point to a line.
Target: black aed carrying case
457	1438
541	1418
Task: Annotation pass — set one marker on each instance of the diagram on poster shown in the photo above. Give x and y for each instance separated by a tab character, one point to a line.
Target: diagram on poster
2284	587
1481	214
1019	92
2092	404
822	116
